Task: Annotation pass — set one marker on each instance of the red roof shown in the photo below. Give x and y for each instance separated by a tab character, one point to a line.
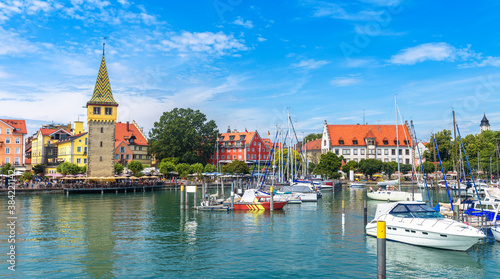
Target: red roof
311	145
360	132
238	136
124	133
48	132
18	125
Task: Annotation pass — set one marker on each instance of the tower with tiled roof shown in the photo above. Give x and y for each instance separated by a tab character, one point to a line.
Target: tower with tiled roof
485	124
101	119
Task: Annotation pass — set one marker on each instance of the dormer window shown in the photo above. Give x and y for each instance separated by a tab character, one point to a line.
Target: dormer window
341	142
406	142
131	140
355	142
231	138
221	139
371	142
386	142
242	137
395	142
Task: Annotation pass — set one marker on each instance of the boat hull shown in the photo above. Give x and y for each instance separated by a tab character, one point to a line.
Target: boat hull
259	205
496	233
426	238
394	196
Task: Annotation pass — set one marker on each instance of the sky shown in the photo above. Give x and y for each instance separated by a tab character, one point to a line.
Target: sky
246	63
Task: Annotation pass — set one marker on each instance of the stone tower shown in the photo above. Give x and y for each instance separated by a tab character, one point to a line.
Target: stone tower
101	119
485	124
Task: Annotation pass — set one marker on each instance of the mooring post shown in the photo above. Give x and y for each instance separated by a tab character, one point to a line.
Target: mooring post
381	256
186	204
365	211
272	198
222	188
232	195
182	196
102	192
203	191
195	198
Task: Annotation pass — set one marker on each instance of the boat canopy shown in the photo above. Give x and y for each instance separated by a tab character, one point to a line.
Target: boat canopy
407	210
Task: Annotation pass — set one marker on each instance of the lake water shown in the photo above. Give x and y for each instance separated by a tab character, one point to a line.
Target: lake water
146	235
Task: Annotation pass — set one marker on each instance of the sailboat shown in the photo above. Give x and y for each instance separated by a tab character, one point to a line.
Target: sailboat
393	195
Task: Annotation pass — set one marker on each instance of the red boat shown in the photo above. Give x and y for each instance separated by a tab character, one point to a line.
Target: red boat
250	201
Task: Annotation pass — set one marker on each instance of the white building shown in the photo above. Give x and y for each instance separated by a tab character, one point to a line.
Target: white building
357	142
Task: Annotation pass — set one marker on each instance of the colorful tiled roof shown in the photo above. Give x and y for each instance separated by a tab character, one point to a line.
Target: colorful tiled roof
360	132
102	90
19	126
124	133
238	136
48	132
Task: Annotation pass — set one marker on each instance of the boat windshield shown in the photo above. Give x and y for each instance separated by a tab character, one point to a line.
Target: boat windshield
415	211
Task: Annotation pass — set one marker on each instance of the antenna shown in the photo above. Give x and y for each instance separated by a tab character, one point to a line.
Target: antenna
104	44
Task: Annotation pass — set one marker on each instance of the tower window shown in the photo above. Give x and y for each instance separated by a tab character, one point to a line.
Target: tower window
108	111
101	143
102	130
97	110
100	158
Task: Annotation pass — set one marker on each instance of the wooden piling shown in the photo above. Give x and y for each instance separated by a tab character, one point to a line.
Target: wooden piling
381	250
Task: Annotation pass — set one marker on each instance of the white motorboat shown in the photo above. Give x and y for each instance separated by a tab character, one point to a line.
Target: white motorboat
417	224
388	195
496	232
357	184
300	190
388	183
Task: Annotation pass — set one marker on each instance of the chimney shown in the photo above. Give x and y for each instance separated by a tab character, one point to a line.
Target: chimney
128	128
228	129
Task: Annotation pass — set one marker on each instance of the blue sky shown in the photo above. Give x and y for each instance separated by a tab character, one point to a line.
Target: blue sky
243	63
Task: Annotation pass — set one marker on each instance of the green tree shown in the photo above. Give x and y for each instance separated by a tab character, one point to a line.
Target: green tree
312	166
236	167
444	143
405	168
351	165
83	169
312	137
167	167
294	155
185	134
68	168
119	168
5	169
27	176
173	160
209	168
183	169
38	169
196	169
389	168
369	167
428	167
136	167
328	165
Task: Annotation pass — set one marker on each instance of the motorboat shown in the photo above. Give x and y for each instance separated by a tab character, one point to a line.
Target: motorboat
388	183
495	230
357	184
393	195
488	206
417	224
253	200
300	190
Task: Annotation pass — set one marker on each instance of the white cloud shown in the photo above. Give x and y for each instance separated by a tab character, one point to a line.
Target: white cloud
346	81
12	43
3	74
310	63
205	42
245	23
423	52
260	39
356	63
332	10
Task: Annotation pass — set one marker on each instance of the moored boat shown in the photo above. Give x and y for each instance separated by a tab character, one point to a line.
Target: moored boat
388	195
417	224
252	201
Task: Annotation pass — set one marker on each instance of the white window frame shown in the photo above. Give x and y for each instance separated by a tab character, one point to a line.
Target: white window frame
7	151
7	131
17	140
17	150
7	140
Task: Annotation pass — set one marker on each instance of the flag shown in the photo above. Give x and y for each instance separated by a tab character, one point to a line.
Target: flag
246	130
268	133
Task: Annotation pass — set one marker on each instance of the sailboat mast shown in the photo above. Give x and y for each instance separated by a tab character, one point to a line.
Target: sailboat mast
397	142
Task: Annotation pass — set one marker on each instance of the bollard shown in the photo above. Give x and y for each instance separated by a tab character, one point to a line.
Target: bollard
381	256
195	198
182	196
272	198
186	199
365	211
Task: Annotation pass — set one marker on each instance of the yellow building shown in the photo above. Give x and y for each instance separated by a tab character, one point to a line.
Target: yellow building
43	148
73	149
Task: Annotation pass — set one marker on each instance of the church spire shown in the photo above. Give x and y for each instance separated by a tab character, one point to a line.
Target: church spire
102	90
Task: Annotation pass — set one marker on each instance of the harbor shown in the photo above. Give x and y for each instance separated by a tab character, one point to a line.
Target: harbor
132	234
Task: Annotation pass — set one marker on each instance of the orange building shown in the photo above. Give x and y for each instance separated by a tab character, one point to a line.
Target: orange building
135	139
12	133
123	153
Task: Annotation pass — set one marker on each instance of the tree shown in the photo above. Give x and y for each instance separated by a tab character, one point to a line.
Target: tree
5	169
209	168
27	176
119	168
166	167
328	165
294	155
389	168
405	168
196	169
83	169
351	165
236	167
68	168
183	169
369	166
38	169
173	160
312	166
428	167
312	137
135	166
444	143
185	134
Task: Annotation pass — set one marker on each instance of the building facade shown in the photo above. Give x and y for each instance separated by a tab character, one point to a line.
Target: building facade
136	140
357	142
12	149
43	148
101	119
311	151
248	147
74	148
